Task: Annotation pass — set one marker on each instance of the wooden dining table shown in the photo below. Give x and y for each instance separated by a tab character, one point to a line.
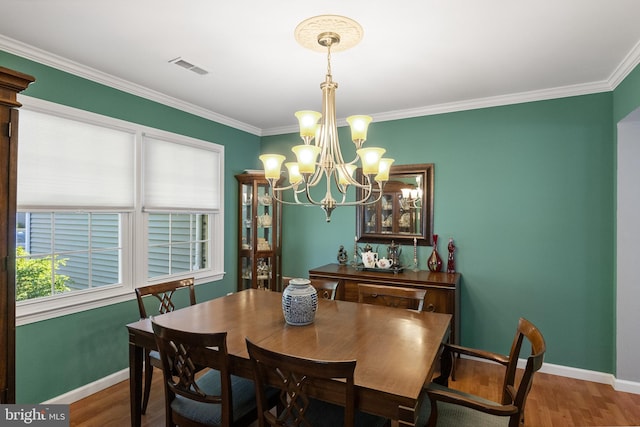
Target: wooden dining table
396	350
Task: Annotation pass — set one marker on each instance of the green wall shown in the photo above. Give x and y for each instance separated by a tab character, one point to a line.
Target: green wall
59	355
526	191
627	96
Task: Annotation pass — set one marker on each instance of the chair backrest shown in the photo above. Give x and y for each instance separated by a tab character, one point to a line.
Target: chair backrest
164	292
293	376
391	296
285	282
183	354
326	288
517	395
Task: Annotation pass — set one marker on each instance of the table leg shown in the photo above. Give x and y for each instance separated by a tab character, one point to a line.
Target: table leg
135	383
446	365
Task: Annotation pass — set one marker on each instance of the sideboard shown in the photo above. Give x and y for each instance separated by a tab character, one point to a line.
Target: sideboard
443	289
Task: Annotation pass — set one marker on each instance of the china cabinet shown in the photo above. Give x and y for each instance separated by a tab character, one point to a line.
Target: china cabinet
259	234
11	83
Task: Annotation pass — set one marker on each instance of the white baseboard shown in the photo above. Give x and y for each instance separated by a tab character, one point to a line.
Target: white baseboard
547	368
576	373
627	386
580	374
91	388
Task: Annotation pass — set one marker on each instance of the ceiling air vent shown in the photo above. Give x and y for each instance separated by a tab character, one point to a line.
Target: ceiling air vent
189	66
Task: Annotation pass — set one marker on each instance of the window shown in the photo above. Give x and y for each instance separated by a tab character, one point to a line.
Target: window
177	244
105	204
67	252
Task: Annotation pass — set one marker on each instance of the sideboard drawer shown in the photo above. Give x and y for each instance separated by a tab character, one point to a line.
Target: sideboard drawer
439	301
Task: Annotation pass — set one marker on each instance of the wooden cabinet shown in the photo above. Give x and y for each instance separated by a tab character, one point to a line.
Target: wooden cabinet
259	234
11	82
443	289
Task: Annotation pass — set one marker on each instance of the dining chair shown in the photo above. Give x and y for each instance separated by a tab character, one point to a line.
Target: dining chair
164	293
293	377
212	398
326	288
446	407
284	282
391	296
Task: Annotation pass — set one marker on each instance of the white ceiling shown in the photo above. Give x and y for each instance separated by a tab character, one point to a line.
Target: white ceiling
417	56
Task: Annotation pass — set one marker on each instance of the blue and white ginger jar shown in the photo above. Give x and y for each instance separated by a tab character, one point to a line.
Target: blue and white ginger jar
299	302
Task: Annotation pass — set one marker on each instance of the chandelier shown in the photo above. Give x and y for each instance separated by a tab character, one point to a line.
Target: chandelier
319	158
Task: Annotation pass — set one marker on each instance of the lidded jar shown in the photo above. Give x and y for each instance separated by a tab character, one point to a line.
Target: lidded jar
299	302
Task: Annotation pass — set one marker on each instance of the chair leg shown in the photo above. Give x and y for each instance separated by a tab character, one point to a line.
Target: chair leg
148	375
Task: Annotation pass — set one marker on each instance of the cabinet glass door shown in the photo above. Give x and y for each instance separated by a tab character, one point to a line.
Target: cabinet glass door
386	208
264	233
264	219
247	217
370	215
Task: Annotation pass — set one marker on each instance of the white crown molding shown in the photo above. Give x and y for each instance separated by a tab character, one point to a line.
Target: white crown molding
32	53
496	101
282	130
473	104
628	64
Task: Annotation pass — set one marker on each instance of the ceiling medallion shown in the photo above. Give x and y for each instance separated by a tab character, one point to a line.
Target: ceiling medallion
306	33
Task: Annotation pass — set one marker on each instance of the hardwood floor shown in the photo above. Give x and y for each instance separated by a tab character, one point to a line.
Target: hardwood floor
553	401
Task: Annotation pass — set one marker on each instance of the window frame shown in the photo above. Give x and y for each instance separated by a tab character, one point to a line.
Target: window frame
134	232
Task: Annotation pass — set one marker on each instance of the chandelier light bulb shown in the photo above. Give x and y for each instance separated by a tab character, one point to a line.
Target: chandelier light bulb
343	178
294	172
359	126
308	121
384	167
272	163
306	155
370	158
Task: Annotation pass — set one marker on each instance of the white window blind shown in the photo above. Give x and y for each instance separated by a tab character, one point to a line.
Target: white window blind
74	165
180	177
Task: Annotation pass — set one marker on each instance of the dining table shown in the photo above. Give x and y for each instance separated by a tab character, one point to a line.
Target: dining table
396	350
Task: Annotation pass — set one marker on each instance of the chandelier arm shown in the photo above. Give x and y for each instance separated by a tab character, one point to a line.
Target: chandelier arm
360	203
275	196
307	193
317	174
344	199
341	188
288	187
295	194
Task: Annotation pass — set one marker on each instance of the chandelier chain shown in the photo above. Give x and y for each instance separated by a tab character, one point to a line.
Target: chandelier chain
329	60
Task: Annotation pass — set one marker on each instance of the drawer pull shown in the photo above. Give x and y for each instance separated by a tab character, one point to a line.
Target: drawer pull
431	308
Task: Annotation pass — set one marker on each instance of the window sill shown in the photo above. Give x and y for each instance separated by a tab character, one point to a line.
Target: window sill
35	311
